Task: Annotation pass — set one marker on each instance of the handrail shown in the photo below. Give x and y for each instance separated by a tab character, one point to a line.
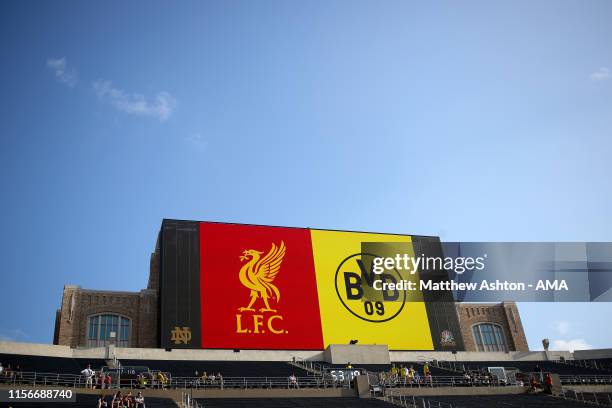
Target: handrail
319	381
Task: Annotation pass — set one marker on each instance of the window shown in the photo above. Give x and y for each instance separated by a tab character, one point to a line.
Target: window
101	326
489	337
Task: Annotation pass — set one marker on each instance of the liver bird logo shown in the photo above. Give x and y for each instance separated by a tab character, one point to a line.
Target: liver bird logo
258	273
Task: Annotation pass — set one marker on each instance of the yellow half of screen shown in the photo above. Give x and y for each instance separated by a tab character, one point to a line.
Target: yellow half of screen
409	330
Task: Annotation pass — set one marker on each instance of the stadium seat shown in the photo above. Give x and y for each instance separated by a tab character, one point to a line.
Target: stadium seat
302	402
187	368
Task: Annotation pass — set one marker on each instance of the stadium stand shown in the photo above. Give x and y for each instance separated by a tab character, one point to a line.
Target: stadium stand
530	366
597	398
507	401
435	371
602	365
45	364
91	401
187	368
302	402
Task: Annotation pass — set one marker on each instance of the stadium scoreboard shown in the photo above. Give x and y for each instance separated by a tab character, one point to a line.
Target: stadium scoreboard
238	286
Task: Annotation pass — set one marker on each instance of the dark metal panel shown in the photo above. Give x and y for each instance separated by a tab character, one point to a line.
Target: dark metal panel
440	306
180	324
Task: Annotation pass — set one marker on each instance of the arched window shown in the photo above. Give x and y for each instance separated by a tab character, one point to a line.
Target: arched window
489	337
100	327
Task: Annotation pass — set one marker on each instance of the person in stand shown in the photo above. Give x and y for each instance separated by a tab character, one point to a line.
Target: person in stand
220	379
293	383
533	383
382	378
89	374
540	373
427	374
403	374
393	373
139	401
349	365
163	380
102	401
409	375
101	380
548	384
128	400
108	380
467	378
17	375
117	401
8	373
142	380
204	379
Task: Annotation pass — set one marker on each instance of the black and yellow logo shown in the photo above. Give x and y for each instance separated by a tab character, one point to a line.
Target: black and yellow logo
355	288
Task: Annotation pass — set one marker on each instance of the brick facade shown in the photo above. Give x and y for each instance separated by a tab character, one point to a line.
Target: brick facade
140	307
503	314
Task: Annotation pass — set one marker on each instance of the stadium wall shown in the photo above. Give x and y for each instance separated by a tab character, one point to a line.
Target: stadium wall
277	355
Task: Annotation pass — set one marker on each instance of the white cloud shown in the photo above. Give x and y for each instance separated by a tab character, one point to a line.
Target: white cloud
571	345
135	104
562	326
63	73
601	74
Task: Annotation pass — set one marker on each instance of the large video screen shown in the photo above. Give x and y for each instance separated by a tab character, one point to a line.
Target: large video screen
260	287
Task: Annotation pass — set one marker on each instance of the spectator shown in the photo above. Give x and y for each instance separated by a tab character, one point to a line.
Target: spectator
533	383
162	379
102	401
548	384
204	378
382	377
348	365
8	373
539	371
403	374
117	401
410	376
139	401
1	370
89	374
212	378
128	400
467	378
142	380
427	374
393	373
417	377
220	379
17	375
108	380
293	383
100	382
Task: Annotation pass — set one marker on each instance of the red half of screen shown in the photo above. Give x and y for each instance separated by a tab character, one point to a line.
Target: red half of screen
225	249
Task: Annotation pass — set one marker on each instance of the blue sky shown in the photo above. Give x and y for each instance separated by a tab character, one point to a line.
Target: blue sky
479	121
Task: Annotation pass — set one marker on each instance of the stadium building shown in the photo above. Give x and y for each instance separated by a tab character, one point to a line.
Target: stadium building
195	271
261	317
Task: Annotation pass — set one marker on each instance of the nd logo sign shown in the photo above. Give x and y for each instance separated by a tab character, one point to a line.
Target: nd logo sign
355	288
